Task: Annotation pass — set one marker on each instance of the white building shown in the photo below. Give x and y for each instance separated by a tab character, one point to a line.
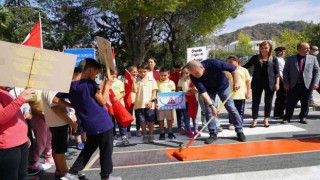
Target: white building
255	45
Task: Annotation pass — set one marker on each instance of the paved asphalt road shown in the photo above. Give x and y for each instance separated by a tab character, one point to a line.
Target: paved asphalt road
297	165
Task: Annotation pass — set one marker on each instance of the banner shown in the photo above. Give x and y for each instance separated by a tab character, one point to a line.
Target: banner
25	66
197	53
81	53
105	53
171	100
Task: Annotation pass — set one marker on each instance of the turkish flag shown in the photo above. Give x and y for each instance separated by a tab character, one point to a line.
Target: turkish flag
127	89
34	38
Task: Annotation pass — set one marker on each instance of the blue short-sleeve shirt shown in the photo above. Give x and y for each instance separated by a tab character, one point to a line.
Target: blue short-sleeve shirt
214	79
95	118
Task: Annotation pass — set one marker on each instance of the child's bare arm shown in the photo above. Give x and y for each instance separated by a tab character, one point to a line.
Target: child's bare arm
100	97
61	102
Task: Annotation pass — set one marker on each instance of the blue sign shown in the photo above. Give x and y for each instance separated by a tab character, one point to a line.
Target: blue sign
171	100
81	53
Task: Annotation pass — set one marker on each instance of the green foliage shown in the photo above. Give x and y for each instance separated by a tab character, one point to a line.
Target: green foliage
4	17
290	39
244	47
71	23
19	23
17	3
219	54
313	33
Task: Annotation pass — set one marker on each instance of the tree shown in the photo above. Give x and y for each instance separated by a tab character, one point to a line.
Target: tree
219	54
139	21
71	23
17	3
244	47
290	40
313	34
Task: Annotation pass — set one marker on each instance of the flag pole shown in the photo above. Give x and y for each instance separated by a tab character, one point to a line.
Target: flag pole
40	30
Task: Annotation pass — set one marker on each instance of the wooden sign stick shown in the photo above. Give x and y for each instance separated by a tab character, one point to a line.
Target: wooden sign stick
33	70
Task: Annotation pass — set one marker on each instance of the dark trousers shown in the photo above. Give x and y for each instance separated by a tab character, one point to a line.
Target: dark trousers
299	92
256	98
14	163
105	143
281	101
179	114
240	105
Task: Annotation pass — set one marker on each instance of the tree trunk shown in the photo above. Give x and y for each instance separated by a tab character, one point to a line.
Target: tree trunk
135	38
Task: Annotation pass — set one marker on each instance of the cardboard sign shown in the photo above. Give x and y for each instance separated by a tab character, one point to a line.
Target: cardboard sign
197	53
171	100
105	52
25	66
81	53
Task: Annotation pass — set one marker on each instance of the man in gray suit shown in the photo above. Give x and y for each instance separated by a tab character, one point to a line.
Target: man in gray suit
300	77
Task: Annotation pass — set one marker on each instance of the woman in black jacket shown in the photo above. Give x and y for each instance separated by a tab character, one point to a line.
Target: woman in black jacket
265	78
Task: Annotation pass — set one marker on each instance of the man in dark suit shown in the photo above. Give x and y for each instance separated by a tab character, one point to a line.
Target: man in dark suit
300	77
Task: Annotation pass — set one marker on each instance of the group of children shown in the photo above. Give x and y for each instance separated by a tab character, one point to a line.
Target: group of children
89	100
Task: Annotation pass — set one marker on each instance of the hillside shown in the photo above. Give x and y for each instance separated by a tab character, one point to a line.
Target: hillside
261	31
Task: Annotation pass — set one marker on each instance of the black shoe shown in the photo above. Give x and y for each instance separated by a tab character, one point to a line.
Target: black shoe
211	138
162	136
32	172
303	121
241	137
171	136
252	126
285	121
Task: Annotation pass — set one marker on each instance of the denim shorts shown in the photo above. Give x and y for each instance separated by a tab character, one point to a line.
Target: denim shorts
145	114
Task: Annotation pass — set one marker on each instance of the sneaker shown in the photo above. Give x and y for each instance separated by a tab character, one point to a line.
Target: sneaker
145	139
162	136
189	134
46	166
195	132
115	141
138	133
80	146
231	127
171	135
40	166
211	138
129	135
124	140
69	176
49	161
182	131
151	138
241	137
32	172
114	178
219	129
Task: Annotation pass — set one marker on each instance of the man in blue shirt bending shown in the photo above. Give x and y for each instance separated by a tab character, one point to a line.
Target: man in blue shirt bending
210	80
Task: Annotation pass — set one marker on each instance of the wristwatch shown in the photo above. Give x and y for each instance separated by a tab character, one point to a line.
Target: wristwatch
210	105
152	100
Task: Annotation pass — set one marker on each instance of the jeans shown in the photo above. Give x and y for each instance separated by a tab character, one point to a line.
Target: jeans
14	163
240	105
230	107
179	114
204	116
186	118
122	130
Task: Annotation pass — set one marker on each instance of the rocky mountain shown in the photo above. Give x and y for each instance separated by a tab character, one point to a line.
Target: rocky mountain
261	31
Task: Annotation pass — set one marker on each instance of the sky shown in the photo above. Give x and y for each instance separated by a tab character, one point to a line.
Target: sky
274	11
